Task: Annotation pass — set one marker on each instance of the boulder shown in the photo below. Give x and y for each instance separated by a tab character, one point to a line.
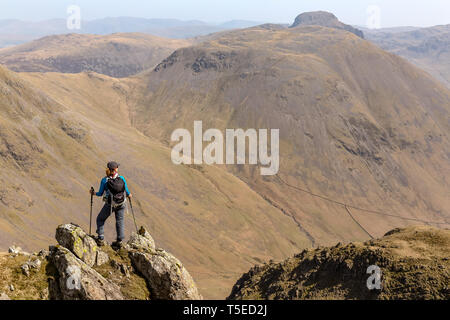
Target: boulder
78	242
102	258
25	269
78	281
166	276
34	263
14	250
141	241
43	253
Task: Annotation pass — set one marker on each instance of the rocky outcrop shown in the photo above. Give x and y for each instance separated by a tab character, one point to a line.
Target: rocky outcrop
102	258
77	241
33	263
78	281
324	19
167	278
77	269
15	251
405	264
142	241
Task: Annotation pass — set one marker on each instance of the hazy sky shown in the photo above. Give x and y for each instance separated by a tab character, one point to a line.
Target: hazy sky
393	12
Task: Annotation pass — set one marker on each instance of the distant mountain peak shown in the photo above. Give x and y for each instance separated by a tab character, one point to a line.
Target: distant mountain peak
314	17
324	19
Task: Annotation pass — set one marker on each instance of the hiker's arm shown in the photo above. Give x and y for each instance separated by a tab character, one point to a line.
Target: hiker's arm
126	187
102	188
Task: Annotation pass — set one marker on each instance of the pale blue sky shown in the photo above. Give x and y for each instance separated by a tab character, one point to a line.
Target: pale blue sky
393	12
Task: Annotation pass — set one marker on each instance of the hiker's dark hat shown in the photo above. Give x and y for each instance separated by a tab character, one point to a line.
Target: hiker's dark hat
113	165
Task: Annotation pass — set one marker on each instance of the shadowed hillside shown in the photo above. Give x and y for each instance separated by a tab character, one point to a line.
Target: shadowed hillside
428	48
117	55
15	32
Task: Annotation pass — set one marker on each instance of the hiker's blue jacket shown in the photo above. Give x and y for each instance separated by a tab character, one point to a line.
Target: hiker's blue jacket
103	187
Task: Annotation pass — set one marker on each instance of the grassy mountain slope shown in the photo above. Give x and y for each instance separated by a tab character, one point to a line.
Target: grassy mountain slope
116	55
54	146
357	124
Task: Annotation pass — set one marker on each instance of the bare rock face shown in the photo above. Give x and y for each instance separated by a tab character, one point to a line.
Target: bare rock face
78	281
102	258
166	276
77	241
324	19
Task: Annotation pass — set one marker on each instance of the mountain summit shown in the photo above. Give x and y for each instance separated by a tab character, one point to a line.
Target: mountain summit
324	19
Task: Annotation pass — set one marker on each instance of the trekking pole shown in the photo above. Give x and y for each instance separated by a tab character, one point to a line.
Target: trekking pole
132	212
90	216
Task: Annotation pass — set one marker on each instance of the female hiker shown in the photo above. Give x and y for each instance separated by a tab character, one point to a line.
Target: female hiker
114	190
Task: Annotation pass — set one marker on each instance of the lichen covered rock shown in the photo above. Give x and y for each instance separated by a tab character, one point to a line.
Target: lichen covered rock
78	281
77	269
141	241
77	241
102	258
166	276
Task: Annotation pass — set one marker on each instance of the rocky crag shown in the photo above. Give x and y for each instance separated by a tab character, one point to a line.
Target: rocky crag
77	269
324	19
413	265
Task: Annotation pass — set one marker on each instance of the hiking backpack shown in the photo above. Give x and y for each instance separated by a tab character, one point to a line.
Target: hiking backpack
116	188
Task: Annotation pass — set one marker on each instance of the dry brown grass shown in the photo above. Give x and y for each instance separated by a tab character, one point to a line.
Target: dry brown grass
133	286
32	287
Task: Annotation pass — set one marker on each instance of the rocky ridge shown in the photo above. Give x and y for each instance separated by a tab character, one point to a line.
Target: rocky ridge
412	263
77	269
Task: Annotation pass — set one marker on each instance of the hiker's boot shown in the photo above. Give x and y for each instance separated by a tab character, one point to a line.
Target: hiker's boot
100	242
118	244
